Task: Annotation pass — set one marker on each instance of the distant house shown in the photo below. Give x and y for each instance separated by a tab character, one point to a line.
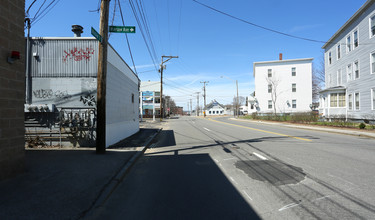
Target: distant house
283	86
215	108
350	68
251	105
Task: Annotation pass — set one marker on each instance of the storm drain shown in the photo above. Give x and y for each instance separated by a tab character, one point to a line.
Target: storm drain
273	172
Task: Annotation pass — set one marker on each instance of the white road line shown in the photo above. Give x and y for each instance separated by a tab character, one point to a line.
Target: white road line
216	161
260	156
247	195
321	198
206	129
232	158
291	205
233	180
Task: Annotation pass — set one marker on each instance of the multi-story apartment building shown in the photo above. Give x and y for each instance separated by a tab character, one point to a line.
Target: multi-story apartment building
283	86
350	68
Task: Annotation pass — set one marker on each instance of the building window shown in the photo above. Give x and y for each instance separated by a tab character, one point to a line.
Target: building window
338	51
372	63
350	101
294	87
372	26
217	112
348	44
294	103
342	100
356	70
339	77
209	112
349	72
269	104
356	97
132	97
293	71
355	38
373	98
333	100
269	88
330	58
269	73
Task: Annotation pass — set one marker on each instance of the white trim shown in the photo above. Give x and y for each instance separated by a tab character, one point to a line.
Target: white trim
339	76
372	99
349	77
369	23
354	30
348	107
359	72
355	103
348	47
372	61
337	51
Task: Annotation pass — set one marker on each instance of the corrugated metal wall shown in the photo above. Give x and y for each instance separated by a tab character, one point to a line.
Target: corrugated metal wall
70	57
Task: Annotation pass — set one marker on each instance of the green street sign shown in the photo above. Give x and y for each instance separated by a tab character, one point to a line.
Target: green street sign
122	29
96	35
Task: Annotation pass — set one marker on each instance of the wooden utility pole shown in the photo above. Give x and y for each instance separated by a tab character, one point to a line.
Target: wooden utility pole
161	82
204	90
102	79
197	103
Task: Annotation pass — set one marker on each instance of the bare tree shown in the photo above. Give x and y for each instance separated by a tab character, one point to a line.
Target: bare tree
273	84
318	78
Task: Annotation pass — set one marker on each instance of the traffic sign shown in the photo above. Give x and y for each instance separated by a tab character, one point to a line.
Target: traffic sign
122	29
96	35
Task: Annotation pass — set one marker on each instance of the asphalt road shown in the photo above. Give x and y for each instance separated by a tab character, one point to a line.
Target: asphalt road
227	169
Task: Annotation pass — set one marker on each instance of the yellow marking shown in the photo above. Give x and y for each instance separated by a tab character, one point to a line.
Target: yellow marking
255	129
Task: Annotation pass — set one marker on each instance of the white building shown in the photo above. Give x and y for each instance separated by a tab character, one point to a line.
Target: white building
251	105
215	108
350	68
150	99
284	86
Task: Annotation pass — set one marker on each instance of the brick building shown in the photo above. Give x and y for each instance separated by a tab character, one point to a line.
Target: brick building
12	87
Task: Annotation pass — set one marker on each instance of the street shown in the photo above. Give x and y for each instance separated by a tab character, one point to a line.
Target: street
220	168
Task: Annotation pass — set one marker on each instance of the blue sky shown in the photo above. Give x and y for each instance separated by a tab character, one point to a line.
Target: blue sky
209	44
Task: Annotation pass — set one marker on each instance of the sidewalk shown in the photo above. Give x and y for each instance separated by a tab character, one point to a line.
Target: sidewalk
69	183
348	131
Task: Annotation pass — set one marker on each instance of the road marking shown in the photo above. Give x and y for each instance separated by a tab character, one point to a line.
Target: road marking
255	129
321	198
260	156
206	129
216	161
247	195
291	205
232	158
233	180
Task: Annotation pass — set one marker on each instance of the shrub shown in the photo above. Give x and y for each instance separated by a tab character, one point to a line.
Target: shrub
362	126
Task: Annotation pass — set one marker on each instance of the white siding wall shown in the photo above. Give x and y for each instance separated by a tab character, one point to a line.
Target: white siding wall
282	71
122	113
366	81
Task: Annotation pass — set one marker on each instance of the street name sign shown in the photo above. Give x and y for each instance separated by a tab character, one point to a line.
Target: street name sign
122	29
96	35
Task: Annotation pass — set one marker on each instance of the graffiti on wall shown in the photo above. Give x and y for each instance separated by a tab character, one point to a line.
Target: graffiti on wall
78	54
49	93
88	100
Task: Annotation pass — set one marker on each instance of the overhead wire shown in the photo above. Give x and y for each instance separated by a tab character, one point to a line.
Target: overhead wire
48	7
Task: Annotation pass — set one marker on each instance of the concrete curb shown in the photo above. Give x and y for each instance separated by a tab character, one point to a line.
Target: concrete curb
331	130
109	188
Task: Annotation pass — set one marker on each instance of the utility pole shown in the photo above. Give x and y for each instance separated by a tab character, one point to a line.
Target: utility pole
204	90
237	102
161	82
188	108
197	103
102	79
28	62
191	106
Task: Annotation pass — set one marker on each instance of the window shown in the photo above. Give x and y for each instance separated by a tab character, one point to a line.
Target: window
132	97
350	101
294	87
356	70
373	99
217	112
355	38
269	88
356	97
338	51
269	73
329	57
348	44
349	72
269	104
294	103
333	100
341	99
293	71
372	26
372	63
209	112
339	77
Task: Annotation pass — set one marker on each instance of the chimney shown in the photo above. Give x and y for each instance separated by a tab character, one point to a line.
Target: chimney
77	30
280	56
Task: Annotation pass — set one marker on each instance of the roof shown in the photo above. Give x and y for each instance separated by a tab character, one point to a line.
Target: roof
280	61
358	13
214	103
336	88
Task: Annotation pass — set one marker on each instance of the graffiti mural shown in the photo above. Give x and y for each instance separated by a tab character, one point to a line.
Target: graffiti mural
88	100
78	54
43	93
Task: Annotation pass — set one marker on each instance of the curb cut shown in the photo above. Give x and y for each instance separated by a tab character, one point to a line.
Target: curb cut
110	187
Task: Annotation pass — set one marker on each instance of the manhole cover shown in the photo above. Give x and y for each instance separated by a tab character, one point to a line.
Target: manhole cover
274	172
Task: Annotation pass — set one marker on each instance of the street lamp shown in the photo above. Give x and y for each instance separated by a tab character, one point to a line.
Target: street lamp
237	92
